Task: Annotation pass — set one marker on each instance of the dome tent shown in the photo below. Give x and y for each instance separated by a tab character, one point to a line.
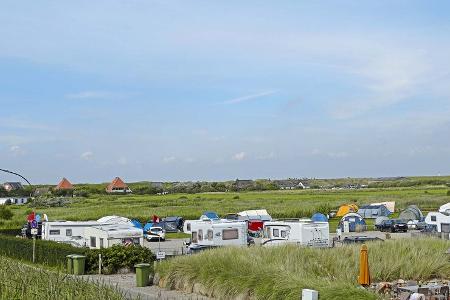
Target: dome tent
318	217
345	209
411	213
379	220
356	223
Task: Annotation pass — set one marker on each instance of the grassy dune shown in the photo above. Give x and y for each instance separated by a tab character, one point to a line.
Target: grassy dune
19	281
281	272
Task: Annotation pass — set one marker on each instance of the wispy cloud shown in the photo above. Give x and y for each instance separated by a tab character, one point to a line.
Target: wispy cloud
17	150
87	155
249	97
239	156
169	159
100	95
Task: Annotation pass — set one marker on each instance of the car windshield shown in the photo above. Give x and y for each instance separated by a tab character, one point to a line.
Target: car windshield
155	229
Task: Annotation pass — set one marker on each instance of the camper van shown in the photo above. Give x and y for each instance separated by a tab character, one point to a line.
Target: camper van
216	233
104	236
440	221
303	232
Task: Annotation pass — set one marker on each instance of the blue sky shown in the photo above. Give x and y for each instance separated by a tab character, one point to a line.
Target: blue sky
209	90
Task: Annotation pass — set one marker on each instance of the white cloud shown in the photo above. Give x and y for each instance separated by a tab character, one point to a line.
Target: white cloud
16	150
87	95
122	161
267	156
87	155
248	97
239	156
169	159
189	160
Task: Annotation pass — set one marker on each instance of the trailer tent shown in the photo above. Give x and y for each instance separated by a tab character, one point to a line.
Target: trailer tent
411	213
352	222
373	211
345	209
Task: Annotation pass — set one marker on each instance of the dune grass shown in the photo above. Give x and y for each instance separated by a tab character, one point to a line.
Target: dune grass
281	272
20	281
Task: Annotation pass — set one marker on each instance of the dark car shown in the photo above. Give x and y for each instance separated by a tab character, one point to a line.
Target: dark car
392	225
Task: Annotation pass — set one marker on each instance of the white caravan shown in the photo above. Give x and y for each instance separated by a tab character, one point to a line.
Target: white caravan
439	220
217	233
303	232
73	232
105	236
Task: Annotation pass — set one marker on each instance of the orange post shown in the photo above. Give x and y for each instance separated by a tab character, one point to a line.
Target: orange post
364	273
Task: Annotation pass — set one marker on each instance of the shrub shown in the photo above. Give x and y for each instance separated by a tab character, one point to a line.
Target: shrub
236	197
5	213
448	193
118	257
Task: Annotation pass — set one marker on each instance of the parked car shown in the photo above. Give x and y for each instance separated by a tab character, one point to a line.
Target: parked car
393	225
156	234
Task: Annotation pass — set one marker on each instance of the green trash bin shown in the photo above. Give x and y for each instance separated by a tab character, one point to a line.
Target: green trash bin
78	264
142	274
69	264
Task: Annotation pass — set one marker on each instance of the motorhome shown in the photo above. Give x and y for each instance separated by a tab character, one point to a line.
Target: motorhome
440	221
105	236
217	233
73	232
303	232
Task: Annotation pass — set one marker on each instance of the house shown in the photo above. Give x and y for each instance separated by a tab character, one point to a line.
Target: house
117	186
12	186
372	211
243	184
41	191
64	184
303	232
291	184
157	185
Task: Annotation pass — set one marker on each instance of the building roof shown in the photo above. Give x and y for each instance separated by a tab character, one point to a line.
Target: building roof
14	185
117	183
64	184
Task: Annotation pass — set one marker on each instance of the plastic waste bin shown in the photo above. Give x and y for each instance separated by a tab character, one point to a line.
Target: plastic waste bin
69	264
78	264
142	274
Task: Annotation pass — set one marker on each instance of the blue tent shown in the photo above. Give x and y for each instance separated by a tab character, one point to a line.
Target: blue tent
356	223
137	224
318	217
210	215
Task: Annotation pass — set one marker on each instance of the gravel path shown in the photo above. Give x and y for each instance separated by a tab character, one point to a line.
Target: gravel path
126	283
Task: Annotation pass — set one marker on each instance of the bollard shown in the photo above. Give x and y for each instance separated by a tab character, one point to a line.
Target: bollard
310	294
78	264
142	274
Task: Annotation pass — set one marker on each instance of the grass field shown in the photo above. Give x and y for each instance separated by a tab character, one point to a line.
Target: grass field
281	272
280	204
19	281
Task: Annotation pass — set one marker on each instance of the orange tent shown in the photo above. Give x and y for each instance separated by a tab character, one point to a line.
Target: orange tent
364	272
345	209
64	184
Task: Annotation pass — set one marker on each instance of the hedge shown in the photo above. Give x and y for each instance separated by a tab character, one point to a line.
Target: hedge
47	252
10	232
54	254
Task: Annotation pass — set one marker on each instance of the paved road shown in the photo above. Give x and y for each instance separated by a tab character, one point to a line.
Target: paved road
126	283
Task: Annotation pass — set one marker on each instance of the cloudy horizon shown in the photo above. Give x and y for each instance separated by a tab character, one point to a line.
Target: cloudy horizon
199	90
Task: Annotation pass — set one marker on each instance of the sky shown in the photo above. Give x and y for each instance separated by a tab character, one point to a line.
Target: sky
218	90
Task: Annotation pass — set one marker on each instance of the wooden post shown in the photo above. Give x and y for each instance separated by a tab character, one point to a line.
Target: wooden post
99	264
34	248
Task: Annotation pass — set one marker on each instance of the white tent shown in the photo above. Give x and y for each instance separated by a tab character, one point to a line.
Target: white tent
113	220
390	205
445	209
257	214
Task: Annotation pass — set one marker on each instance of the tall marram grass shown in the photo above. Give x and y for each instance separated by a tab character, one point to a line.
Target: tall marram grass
281	272
18	281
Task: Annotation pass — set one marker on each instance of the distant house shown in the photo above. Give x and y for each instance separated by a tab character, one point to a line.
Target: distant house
158	185
12	186
243	184
64	184
117	186
41	191
291	184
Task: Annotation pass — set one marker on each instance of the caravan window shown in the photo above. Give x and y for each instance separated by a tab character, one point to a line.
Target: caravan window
209	235
194	237
93	242
283	233
200	235
230	234
68	232
276	233
188	227
54	232
433	218
101	243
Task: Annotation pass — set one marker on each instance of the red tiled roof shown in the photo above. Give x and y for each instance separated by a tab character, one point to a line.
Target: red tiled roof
64	185
117	183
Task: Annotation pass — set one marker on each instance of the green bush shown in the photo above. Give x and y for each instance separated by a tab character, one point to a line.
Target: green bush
448	193
118	257
5	213
47	252
11	232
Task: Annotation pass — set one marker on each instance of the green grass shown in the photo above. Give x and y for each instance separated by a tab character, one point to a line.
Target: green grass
20	281
280	204
281	272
